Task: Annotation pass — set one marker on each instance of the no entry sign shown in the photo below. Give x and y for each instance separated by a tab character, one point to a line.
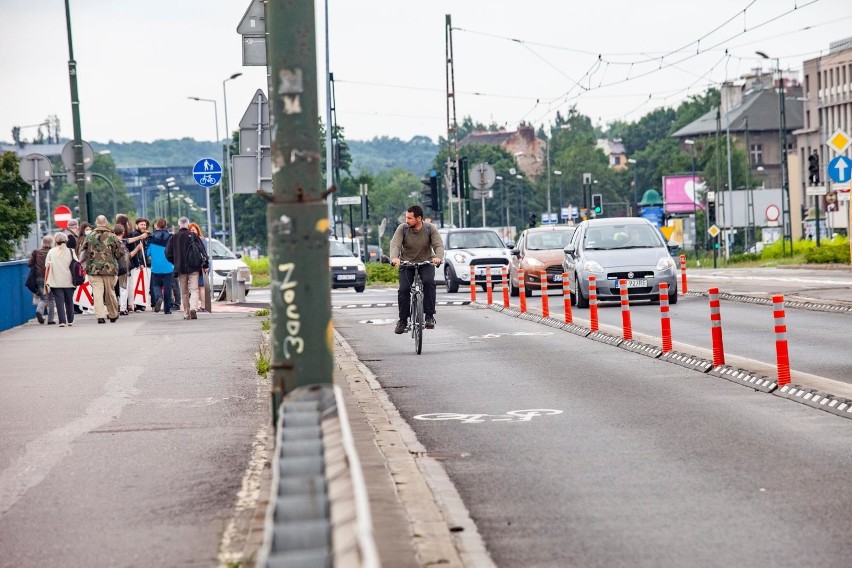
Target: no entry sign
61	216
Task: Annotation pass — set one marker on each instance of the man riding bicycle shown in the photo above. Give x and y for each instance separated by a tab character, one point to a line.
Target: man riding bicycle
416	241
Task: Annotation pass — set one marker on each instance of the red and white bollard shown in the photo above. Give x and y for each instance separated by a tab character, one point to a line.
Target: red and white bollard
545	302
472	284
683	288
782	356
626	325
566	295
665	321
489	295
522	290
593	304
505	281
716	328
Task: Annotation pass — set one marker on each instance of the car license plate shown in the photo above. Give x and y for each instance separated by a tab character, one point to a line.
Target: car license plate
494	270
638	283
557	278
346	277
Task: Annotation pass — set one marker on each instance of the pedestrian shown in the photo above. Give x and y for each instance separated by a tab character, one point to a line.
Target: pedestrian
71	232
121	292
202	292
84	231
58	278
188	262
101	253
139	235
45	300
162	271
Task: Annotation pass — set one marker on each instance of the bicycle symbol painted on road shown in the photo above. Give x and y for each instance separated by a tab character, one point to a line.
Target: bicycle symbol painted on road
515	334
510	416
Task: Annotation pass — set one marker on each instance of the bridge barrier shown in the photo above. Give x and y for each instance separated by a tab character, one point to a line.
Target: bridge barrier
17	301
314	459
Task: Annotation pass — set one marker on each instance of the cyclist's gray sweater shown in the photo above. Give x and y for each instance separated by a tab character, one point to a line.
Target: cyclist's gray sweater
416	246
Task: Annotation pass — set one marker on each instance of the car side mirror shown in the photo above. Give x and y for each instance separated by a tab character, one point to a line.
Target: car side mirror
516	252
239	255
569	250
673	248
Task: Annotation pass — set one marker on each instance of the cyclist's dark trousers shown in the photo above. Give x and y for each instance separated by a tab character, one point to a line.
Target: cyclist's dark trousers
406	277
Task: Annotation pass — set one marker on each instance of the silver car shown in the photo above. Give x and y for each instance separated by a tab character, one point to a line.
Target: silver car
627	248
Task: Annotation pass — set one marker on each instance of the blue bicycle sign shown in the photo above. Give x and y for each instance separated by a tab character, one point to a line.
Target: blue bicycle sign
207	172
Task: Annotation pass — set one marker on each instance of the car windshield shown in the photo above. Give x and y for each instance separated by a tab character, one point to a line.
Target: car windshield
474	239
549	240
622	237
220	251
336	248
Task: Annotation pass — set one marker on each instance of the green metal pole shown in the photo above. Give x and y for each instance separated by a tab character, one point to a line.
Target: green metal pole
297	214
79	172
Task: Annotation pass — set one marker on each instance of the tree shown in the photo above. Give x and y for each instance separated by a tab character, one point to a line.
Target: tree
17	214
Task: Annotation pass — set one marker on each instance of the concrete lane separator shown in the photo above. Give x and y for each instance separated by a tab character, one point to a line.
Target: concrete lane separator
440	526
755	380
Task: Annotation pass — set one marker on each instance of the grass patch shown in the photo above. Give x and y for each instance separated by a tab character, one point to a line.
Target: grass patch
266	325
381	273
259	271
262	312
263	361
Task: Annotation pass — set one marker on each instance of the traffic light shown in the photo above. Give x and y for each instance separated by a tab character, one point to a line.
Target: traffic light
597	203
463	178
813	168
711	211
430	195
532	220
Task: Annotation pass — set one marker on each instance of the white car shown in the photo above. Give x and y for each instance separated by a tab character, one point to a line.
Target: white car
481	248
222	262
347	270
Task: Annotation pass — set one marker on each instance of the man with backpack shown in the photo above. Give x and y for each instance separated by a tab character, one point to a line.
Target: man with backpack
185	251
416	241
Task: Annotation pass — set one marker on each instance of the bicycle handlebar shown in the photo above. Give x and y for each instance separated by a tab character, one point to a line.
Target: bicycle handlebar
410	264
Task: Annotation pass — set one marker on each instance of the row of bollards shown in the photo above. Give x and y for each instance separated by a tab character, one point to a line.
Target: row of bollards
718	349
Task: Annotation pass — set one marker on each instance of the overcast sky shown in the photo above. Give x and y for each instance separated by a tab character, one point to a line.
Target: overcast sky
138	61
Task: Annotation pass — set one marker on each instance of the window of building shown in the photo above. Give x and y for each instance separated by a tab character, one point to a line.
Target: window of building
616	160
756	152
807	119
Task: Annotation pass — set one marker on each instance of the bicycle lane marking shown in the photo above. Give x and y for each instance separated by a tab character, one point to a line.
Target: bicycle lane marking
510	416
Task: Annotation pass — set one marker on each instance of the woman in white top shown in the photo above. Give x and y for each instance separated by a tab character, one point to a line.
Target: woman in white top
58	278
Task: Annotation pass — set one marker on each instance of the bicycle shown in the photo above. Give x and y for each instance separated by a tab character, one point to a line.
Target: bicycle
416	320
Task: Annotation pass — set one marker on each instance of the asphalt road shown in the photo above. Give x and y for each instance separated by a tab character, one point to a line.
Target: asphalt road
125	444
629	460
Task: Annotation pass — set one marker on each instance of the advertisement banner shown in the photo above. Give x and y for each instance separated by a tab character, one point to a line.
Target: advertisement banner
681	194
137	286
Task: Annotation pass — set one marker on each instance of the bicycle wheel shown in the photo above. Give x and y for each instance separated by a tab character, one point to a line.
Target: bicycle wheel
417	322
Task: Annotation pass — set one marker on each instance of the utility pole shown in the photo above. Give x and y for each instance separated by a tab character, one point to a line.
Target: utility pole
79	172
297	215
452	126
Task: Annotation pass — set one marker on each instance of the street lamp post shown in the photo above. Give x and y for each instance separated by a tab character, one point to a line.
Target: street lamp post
691	144
228	163
632	163
782	135
221	192
559	208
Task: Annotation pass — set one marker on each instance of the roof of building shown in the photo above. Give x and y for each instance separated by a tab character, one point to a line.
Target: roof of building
490	138
760	109
611	146
44	149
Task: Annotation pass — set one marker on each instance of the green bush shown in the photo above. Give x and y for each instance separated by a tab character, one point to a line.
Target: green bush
381	273
828	254
775	251
259	270
746	257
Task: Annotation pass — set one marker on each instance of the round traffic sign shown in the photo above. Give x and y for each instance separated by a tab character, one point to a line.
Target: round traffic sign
772	213
482	176
61	216
35	167
207	172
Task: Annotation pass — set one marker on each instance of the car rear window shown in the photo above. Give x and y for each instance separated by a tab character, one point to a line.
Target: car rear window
549	240
474	239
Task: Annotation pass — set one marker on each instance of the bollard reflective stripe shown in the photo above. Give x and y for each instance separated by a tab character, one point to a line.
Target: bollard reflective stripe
472	283
665	321
683	274
716	328
523	290
626	325
545	302
566	295
782	355
505	281
489	296
593	304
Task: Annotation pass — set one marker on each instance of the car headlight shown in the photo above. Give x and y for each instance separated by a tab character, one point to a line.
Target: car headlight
533	262
665	263
460	257
592	266
361	267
